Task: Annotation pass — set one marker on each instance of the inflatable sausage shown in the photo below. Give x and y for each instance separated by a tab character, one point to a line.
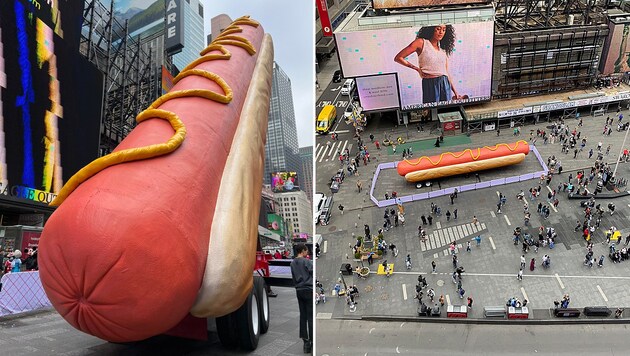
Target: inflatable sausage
146	233
466	161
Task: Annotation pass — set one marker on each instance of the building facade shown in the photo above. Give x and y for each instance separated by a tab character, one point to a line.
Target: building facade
306	155
297	211
281	150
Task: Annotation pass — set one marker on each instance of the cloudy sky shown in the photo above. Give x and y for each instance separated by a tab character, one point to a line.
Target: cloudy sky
290	23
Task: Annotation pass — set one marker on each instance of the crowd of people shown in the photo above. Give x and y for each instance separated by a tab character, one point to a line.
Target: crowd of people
18	261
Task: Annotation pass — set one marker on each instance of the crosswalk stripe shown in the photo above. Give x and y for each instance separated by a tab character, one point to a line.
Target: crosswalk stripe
333	148
507	220
442	238
473	227
320	149
483	226
439	226
492	243
324	155
344	145
423	246
432	242
448	300
493	214
445	252
465	228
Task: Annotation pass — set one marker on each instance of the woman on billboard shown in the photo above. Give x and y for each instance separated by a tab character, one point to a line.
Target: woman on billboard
433	45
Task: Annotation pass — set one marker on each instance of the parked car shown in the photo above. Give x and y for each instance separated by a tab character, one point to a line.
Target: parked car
348	112
326	119
337	76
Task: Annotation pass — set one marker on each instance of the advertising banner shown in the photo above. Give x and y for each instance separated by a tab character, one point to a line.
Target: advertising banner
378	92
284	182
616	51
392	4
174	36
436	65
322	9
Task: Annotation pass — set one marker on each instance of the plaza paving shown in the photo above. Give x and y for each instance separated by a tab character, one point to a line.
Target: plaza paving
491	269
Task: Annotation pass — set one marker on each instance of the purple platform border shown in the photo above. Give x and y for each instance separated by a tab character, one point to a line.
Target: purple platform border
461	188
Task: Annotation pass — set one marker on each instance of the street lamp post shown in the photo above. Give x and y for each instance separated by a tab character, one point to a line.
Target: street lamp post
620	152
345	286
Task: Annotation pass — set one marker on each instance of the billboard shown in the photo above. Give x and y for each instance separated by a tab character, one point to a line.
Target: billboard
174	41
436	65
616	51
378	92
284	182
393	4
142	14
50	101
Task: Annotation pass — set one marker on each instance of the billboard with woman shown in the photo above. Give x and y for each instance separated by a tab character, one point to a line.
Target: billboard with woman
437	65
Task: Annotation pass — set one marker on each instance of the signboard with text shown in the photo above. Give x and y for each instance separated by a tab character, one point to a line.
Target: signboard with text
174	33
322	9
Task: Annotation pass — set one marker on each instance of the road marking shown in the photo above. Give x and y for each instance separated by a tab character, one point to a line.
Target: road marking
461	231
439	226
442	238
553	207
498	194
466	231
448	300
344	146
341	131
333	148
404	287
559	281
625	278
401	325
323	316
370	332
325	150
483	226
432	242
492	243
435	255
445	252
493	214
325	246
319	151
549	189
397	350
602	293
524	294
507	220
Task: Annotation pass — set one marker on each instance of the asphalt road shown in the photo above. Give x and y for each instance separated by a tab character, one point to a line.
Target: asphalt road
392	338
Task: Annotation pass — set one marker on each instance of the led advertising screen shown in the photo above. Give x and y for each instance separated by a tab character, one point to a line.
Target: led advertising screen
50	100
436	65
393	4
284	182
616	52
378	92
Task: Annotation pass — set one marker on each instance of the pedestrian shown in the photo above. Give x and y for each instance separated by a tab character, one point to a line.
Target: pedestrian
455	215
478	178
424	220
302	274
455	261
452	196
522	261
499	208
475	221
468	246
532	264
461	292
519	276
478	239
441	300
448	215
627	239
359	185
470	302
341	208
433	267
430	219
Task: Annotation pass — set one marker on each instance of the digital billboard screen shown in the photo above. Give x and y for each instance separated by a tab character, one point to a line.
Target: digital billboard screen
378	92
50	100
284	182
616	51
393	4
436	65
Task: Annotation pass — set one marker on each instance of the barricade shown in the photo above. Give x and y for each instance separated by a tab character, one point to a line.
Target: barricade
22	292
518	313
597	311
493	312
457	311
566	312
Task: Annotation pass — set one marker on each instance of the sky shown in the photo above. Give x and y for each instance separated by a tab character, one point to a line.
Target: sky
290	23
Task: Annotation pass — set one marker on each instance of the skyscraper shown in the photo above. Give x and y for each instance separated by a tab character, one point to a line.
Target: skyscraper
306	156
282	151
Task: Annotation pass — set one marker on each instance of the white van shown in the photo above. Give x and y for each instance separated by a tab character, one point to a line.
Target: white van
318	203
348	87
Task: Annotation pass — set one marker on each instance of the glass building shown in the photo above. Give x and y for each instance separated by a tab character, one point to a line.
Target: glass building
282	152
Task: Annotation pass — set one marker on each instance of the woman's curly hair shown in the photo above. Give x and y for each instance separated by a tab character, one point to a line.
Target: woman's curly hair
447	43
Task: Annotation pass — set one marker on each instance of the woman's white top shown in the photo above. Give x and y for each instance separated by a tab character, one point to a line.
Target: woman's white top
432	61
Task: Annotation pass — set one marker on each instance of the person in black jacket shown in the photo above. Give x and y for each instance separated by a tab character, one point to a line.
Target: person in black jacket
302	273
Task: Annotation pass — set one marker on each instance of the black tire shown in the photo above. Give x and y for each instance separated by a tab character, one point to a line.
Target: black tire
226	328
260	288
247	323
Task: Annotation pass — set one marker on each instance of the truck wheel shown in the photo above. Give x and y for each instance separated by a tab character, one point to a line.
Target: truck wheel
226	328
263	303
247	322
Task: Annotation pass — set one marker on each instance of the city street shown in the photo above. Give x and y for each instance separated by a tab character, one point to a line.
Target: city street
492	267
393	338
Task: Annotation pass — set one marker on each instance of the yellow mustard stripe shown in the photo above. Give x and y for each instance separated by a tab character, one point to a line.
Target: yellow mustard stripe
468	150
160	149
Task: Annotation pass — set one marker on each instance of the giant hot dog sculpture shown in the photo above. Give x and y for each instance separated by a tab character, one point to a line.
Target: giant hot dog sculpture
167	223
466	161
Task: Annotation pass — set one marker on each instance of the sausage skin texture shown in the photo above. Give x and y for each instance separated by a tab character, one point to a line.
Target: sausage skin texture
468	155
123	257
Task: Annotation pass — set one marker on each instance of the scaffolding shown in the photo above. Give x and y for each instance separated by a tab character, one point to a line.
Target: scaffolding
131	78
